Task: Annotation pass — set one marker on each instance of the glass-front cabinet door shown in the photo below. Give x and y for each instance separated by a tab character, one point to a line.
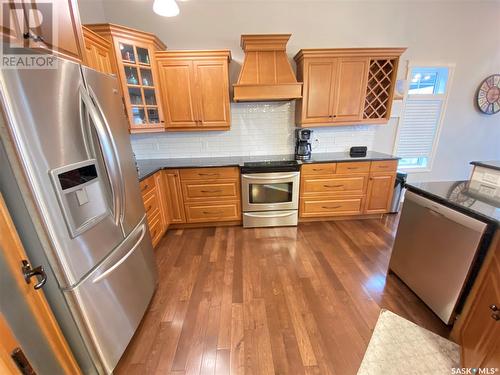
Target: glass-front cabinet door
138	81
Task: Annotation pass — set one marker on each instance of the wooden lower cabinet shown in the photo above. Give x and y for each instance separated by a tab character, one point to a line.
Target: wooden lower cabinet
379	196
334	206
355	184
211	195
346	188
153	193
478	326
173	197
206	212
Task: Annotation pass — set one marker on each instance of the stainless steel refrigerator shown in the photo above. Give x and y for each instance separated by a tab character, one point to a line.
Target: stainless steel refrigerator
65	135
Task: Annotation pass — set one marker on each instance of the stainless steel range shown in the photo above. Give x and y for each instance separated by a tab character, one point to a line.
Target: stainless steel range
270	193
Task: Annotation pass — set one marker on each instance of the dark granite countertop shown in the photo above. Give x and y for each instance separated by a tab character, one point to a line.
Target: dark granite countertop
456	195
147	167
344	156
493	164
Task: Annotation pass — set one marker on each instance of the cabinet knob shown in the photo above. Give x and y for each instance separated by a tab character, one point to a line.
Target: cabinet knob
493	307
495	316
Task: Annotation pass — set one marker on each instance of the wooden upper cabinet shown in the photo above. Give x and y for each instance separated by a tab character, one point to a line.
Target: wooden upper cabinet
98	52
57	23
133	53
195	89
351	88
346	86
212	89
318	91
177	91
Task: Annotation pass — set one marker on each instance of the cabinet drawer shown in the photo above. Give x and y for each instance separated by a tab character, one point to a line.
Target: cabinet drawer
209	173
318	169
353	167
389	166
195	191
322	186
151	203
331	207
210	212
147	184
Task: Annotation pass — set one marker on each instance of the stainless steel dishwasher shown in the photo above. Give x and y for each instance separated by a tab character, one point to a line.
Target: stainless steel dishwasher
433	252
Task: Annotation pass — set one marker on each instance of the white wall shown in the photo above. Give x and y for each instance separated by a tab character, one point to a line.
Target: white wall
464	33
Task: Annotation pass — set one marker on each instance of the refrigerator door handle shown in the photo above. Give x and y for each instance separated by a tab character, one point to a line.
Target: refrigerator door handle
124	258
109	153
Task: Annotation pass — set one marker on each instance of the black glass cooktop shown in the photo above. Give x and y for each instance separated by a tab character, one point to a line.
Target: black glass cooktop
269	166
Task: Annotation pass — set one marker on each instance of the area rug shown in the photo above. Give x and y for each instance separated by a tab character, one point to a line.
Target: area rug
399	347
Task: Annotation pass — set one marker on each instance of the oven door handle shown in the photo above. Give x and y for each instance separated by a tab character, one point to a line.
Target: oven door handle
270	215
254	177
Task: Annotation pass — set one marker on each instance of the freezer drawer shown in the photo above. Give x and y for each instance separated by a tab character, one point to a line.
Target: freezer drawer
434	250
111	301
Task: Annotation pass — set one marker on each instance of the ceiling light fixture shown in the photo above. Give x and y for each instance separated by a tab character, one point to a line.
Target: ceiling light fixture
166	8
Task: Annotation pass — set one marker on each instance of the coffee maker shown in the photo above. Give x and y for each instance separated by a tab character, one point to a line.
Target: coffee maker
302	145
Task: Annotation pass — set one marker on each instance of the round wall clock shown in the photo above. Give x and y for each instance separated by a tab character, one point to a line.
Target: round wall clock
488	95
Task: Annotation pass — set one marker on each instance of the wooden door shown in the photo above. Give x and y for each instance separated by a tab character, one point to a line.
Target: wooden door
380	188
57	22
173	197
319	78
212	94
13	252
13	29
68	41
8	344
178	93
480	334
350	89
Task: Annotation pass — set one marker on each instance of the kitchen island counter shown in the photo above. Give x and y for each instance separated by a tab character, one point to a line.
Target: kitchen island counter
456	195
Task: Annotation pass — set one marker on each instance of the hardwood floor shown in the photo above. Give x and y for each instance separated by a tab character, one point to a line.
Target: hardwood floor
299	300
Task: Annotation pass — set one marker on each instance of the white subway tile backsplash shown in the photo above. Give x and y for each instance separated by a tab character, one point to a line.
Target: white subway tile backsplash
256	129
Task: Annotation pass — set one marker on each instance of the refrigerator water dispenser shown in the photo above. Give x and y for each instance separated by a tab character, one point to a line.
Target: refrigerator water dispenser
81	195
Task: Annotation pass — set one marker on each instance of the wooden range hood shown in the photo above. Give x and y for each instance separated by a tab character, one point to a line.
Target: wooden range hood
266	73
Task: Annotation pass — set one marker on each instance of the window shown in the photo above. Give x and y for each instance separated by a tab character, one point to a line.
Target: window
421	119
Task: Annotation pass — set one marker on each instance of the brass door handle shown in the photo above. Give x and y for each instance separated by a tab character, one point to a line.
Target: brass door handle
211	212
330	208
332	186
211	191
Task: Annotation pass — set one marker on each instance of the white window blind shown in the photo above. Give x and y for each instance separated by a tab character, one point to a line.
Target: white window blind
422	116
418	128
